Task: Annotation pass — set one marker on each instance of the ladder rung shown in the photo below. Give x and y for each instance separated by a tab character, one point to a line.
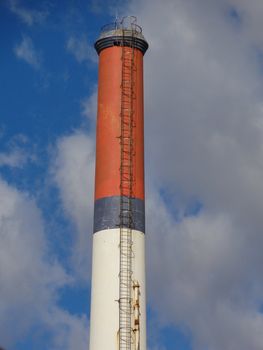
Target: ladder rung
126	186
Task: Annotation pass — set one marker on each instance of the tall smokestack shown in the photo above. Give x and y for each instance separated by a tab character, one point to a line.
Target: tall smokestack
118	306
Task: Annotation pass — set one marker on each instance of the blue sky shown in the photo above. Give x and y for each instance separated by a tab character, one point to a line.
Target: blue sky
203	141
45	83
43	88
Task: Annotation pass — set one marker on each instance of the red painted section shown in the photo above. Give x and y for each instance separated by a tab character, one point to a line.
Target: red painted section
108	149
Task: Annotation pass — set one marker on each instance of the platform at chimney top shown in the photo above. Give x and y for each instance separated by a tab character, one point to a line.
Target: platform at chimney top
122	33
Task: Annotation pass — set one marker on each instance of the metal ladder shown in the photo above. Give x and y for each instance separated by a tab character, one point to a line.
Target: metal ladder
126	191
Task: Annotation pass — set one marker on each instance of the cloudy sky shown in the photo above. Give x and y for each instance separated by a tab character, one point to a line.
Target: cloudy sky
204	171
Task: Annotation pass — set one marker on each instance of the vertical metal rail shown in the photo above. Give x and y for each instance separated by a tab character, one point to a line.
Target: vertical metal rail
126	190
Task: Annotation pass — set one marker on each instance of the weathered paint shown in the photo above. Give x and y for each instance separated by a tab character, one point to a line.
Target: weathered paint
105	292
107	181
104	319
107	214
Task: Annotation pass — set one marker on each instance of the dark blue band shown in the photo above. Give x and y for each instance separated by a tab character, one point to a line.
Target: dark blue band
129	41
107	214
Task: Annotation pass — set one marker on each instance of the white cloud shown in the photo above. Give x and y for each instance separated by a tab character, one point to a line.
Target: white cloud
73	172
203	111
211	111
89	106
71	332
17	154
30	278
250	14
27	52
80	49
113	7
16	158
28	16
203	104
208	280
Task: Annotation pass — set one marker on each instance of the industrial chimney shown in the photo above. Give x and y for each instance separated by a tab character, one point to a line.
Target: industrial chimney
118	305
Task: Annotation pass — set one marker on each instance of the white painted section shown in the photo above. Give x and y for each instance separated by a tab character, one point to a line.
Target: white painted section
104	319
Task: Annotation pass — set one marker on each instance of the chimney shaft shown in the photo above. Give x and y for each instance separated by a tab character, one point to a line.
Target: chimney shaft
118	307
